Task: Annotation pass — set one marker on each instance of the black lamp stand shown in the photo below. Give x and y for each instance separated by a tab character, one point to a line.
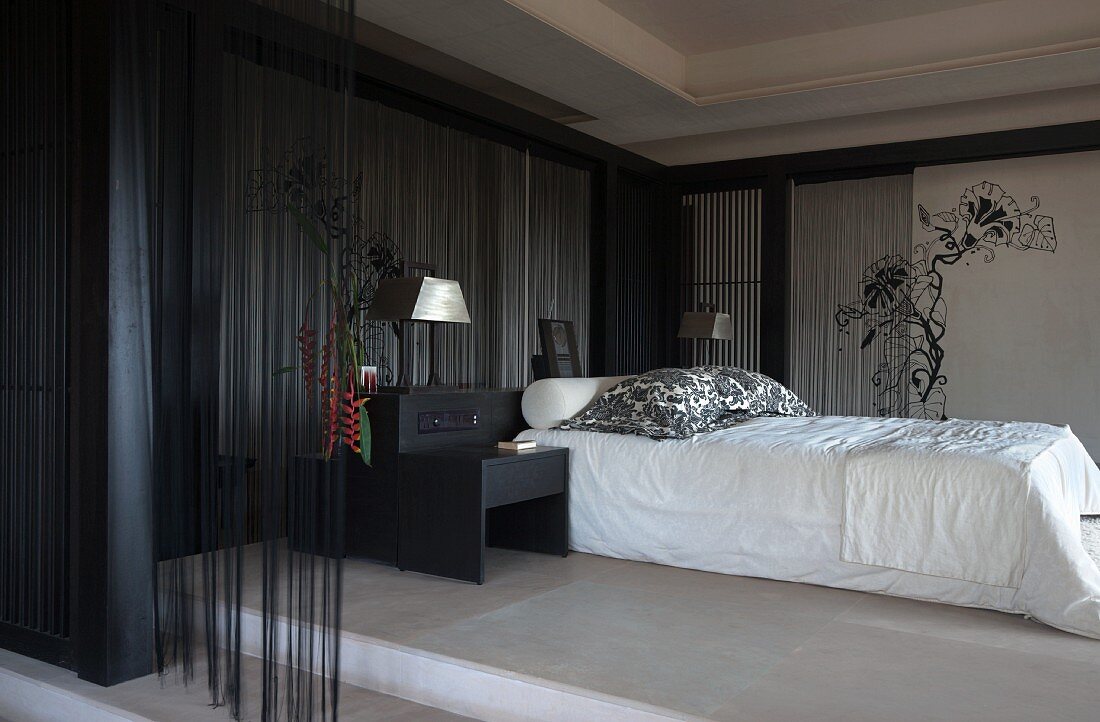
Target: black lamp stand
433	374
404	383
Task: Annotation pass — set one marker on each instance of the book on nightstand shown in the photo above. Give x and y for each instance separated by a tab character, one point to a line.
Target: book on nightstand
516	445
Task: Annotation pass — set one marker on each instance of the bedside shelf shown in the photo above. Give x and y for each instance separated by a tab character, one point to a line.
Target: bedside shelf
456	501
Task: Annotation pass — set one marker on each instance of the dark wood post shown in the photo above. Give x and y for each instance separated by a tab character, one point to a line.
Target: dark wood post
112	546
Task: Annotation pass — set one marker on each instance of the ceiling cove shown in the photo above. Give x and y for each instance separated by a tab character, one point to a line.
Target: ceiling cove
645	70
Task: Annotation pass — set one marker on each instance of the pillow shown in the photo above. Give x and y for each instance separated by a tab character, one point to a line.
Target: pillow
548	403
679	403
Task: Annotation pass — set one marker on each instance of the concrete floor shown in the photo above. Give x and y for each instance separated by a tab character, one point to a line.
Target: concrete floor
732	648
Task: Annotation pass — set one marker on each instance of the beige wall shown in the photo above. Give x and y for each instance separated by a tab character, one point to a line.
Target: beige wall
1023	331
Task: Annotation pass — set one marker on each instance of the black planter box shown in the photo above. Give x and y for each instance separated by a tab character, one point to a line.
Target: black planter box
315	505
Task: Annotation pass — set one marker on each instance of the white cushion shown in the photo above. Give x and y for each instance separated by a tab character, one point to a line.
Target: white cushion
549	402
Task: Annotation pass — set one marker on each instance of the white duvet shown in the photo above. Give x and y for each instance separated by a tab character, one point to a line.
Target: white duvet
981	514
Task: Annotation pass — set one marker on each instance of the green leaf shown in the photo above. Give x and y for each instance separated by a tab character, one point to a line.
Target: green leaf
284	370
308	228
364	435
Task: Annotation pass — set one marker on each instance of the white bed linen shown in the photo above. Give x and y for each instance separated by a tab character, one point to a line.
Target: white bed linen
920	490
767	498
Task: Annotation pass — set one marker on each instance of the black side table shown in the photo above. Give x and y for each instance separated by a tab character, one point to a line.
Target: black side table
456	501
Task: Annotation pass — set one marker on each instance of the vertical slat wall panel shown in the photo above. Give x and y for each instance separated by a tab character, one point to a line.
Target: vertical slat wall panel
34	496
644	241
493	286
721	266
456	202
513	230
837	230
557	277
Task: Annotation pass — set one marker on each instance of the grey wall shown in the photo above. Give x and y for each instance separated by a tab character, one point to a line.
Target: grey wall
1016	321
1023	337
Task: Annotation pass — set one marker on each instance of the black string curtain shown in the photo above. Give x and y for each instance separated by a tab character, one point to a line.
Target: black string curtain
252	404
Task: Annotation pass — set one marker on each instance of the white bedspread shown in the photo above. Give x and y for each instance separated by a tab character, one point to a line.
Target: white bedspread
982	514
920	491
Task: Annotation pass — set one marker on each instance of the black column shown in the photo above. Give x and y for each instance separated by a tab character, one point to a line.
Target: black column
604	243
109	419
774	278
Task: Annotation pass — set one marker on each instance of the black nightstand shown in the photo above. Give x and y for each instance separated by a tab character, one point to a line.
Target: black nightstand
458	500
403	424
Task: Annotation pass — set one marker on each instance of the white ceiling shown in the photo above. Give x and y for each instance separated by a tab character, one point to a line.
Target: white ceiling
645	72
694	27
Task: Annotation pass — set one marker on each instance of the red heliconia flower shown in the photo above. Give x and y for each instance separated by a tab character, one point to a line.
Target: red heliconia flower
330	380
332	428
307	349
349	417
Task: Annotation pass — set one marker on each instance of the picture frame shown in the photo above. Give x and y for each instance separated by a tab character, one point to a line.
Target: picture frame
559	347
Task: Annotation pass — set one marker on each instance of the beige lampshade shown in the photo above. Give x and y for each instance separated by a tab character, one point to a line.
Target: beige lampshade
421	298
706	324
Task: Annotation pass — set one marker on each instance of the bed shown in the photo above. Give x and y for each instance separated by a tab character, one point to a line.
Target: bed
972	513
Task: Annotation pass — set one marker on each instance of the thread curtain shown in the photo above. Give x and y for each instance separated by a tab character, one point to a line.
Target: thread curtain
246	506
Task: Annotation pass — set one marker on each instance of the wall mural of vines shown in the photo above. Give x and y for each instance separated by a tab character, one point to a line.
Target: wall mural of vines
901	300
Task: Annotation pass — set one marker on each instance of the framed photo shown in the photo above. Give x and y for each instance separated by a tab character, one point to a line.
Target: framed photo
559	346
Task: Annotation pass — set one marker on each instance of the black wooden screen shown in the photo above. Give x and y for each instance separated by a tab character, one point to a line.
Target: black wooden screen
34	374
646	262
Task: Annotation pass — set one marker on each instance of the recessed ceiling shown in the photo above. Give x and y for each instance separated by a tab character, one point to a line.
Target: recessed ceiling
693	27
427	58
643	71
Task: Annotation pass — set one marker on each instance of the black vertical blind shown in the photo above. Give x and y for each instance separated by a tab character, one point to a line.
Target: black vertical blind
34	378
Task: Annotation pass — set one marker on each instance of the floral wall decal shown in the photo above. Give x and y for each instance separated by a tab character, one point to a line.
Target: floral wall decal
901	300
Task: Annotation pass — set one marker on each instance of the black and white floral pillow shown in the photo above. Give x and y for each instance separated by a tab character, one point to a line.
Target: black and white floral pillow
679	403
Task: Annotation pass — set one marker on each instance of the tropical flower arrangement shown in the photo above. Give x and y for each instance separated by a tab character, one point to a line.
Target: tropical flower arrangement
323	209
344	418
333	374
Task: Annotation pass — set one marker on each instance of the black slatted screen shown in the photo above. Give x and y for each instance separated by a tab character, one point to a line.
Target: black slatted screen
645	260
34	498
722	266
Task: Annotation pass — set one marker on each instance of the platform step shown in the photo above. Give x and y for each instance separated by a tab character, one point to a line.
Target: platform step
465	687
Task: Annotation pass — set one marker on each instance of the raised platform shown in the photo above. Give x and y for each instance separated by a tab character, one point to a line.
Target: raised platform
593	638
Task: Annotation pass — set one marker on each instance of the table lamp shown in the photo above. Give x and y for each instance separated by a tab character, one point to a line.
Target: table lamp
422	298
706	325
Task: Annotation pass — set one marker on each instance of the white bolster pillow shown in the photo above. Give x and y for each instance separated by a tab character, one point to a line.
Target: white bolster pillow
549	402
